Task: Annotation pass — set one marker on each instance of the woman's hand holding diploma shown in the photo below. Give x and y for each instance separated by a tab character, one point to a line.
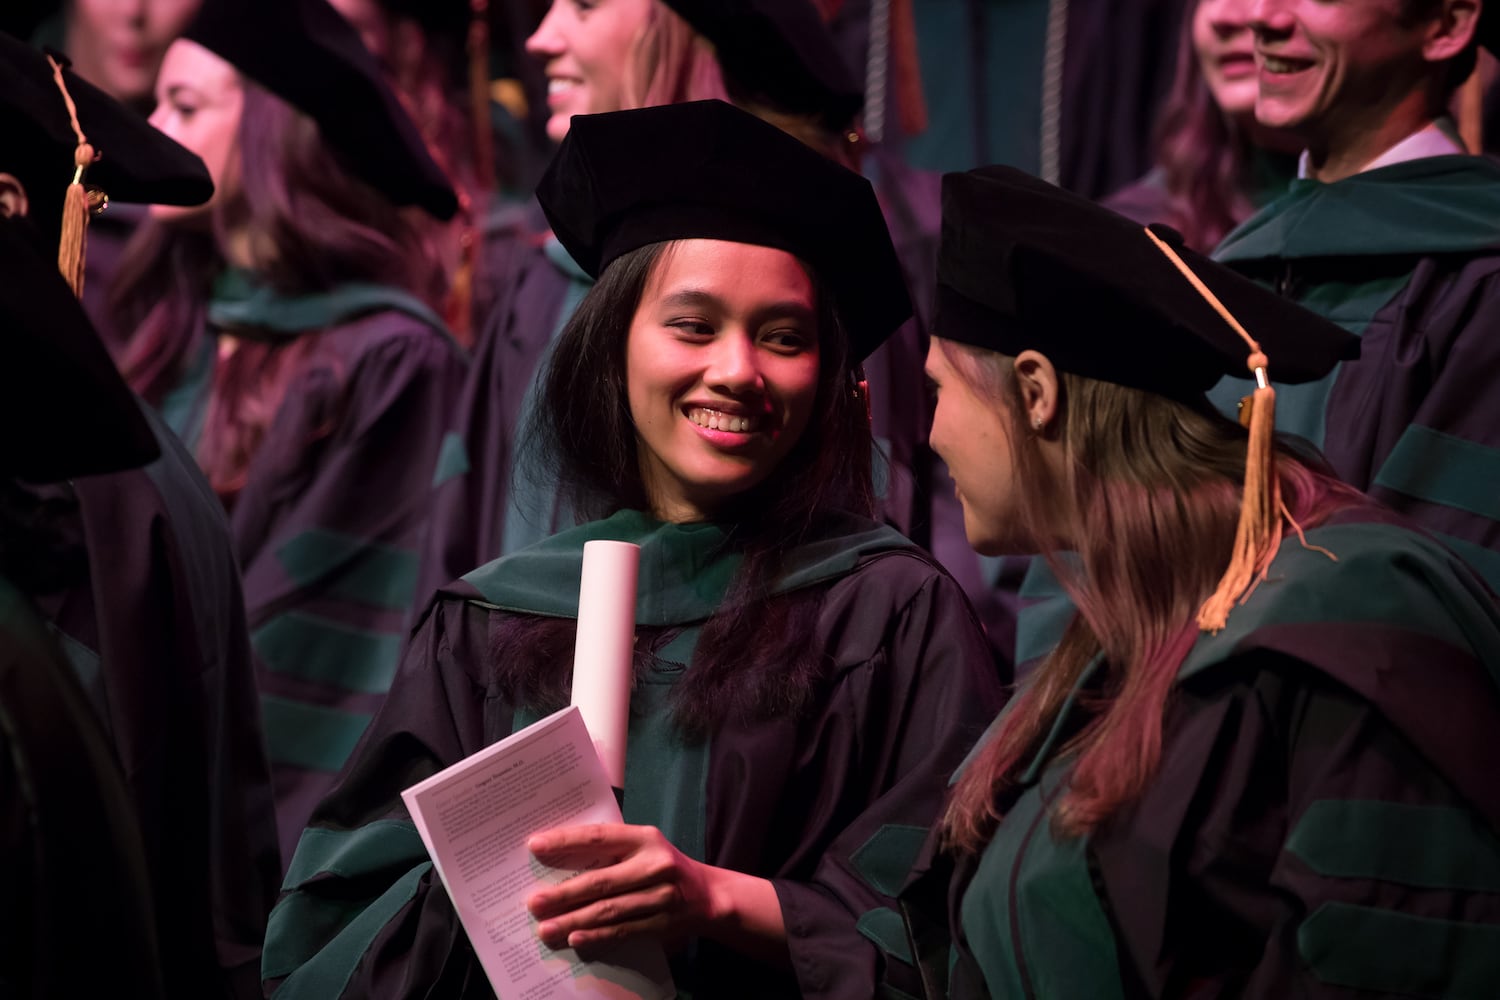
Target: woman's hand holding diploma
638	883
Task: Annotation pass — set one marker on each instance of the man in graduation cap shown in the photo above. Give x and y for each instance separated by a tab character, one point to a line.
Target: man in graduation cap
141	586
1393	231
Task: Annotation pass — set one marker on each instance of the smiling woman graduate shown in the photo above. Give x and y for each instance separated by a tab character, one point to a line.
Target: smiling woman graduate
776	58
805	678
1259	763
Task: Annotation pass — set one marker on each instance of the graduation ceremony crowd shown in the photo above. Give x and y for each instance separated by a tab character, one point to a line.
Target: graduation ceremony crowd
1062	438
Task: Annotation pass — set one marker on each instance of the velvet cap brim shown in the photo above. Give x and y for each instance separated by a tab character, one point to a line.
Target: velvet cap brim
304	52
1024	265
781	51
67	410
707	170
136	162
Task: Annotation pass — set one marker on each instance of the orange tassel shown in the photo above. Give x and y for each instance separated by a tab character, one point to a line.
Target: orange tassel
76	208
72	247
1257	538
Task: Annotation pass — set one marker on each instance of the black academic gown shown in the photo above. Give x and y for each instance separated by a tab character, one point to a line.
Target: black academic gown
77	916
1324	822
328	528
487	502
1408	258
830	806
146	600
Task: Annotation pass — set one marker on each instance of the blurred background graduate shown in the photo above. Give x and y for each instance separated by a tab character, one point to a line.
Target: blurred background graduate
139	579
437	55
288	332
1215	165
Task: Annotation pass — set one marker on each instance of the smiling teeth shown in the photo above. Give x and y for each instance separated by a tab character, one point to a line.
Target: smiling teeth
557	86
716	421
1276	65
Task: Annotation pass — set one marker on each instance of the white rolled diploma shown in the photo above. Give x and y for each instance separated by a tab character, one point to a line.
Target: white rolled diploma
604	653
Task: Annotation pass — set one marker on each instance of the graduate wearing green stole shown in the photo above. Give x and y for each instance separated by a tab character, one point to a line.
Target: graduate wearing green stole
804	678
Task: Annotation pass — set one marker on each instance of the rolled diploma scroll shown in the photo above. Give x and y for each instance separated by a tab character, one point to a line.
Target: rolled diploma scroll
604	653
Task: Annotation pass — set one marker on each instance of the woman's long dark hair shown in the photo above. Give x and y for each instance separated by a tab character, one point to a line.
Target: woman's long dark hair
753	659
159	296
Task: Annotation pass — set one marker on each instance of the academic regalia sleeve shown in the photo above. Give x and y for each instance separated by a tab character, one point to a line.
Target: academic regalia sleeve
362	913
1313	852
328	529
1412	422
77	919
913	711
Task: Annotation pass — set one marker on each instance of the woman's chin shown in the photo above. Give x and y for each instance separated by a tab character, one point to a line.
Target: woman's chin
989	542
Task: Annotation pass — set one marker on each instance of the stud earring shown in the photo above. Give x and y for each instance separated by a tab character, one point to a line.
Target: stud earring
1036	422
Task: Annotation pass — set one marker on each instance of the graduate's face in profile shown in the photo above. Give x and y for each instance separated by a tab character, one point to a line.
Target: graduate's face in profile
1334	70
117	45
721	372
1226	54
972	435
199	102
587	49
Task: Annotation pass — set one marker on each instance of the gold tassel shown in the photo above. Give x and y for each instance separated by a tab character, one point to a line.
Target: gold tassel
1258	535
76	209
75	224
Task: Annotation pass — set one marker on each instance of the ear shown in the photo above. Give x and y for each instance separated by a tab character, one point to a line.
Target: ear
1036	380
13	201
1452	29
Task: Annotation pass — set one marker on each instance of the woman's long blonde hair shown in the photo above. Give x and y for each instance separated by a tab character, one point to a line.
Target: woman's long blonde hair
1152	489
